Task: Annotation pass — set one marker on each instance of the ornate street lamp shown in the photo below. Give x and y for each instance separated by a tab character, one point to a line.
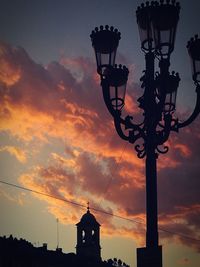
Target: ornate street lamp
157	23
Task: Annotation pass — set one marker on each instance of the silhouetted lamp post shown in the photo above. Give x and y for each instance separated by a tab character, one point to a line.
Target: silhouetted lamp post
157	23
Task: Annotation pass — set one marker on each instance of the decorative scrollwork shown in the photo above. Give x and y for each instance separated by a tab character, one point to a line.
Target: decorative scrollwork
162	150
128	123
174	125
141	152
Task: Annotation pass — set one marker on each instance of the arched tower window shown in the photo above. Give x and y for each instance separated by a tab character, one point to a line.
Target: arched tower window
83	236
93	236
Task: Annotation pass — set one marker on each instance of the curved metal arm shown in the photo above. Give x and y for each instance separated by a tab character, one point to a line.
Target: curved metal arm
134	134
106	96
193	116
118	121
130	125
135	131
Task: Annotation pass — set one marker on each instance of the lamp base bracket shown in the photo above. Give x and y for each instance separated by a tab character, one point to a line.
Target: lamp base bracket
149	257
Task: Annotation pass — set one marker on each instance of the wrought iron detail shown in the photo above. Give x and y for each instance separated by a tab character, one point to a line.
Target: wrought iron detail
162	150
141	152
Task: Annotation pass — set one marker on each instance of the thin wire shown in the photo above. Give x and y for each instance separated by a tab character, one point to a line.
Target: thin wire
97	210
68	201
178	234
44	194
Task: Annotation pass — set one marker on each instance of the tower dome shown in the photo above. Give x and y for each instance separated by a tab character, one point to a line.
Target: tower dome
88	219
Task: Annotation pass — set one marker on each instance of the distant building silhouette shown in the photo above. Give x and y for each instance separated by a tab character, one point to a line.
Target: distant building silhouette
21	253
88	237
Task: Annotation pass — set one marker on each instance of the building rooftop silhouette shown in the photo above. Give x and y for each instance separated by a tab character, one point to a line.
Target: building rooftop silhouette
19	252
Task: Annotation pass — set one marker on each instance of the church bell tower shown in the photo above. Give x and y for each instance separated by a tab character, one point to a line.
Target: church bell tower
88	237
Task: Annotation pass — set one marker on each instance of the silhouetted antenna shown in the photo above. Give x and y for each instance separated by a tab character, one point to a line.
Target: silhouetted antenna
57	223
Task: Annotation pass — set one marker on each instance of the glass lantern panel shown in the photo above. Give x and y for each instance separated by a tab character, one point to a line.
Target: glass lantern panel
170	102
112	58
117	96
144	26
145	31
164	41
196	72
104	61
164	24
146	39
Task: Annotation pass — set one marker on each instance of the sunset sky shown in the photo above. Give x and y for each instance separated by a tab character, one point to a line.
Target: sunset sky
57	137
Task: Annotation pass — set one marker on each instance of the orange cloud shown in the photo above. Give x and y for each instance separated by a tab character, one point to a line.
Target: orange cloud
18	199
15	151
10	72
185	151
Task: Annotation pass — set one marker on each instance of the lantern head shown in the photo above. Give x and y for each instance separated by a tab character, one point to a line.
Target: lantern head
164	20
166	91
143	14
193	47
117	79
105	41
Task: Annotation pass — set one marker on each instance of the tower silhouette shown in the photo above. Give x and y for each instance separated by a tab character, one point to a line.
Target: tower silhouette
88	237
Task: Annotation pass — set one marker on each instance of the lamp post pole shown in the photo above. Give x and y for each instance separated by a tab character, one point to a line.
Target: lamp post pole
157	24
151	156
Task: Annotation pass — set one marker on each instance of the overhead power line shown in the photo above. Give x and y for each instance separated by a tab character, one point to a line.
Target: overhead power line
43	194
97	210
69	201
